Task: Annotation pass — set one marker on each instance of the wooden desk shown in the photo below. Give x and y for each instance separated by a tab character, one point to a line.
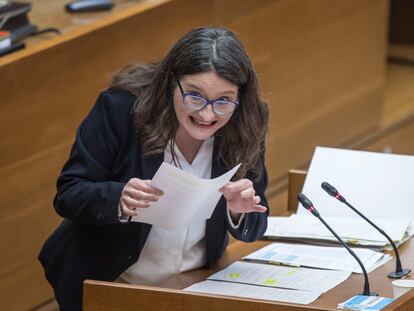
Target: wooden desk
102	296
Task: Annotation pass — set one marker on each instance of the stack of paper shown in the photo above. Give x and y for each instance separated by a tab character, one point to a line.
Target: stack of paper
280	276
352	231
324	257
254	292
269	282
289	284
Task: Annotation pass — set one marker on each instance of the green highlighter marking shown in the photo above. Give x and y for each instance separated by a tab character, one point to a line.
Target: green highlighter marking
234	275
293	271
270	282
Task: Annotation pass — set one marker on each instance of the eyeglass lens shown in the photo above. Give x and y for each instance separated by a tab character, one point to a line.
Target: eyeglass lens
219	106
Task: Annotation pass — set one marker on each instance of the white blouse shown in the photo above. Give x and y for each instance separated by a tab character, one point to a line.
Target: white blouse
167	253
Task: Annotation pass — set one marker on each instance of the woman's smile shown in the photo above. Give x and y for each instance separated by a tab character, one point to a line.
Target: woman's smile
202	123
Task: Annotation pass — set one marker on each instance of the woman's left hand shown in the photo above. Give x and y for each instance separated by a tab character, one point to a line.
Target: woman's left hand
241	198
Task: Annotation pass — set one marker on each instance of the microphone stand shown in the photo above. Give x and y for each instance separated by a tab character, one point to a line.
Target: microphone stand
305	202
366	292
399	271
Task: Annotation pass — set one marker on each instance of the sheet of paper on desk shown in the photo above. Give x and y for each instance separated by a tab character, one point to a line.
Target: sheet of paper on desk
324	257
379	185
276	230
254	292
187	198
279	276
356	230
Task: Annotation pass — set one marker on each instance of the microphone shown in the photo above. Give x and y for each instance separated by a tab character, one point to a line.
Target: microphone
89	5
306	203
399	271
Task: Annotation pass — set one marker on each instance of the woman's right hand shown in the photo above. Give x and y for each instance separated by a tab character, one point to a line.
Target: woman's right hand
137	193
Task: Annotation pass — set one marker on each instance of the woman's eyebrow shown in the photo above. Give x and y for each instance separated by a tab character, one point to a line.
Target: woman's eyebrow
197	88
193	86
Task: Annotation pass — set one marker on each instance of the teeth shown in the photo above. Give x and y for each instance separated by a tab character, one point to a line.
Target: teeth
202	122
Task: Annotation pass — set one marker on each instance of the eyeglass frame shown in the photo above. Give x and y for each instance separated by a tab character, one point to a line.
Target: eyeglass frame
208	101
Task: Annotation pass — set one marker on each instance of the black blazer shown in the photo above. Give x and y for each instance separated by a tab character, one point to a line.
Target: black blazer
91	243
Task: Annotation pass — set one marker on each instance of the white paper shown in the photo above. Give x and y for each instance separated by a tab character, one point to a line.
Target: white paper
275	230
324	257
187	198
379	185
254	292
279	276
352	230
273	225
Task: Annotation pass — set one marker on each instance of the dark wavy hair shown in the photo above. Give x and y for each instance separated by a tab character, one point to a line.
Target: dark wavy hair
242	139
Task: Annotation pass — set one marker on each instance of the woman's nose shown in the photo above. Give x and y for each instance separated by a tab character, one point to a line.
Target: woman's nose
207	113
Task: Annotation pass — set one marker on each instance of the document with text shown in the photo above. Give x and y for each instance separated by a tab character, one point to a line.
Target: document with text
187	198
324	257
254	292
278	276
356	231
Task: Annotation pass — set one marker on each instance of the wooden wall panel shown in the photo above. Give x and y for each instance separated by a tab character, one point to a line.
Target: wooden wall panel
278	204
24	289
29	181
398	139
24	234
322	68
64	89
296	146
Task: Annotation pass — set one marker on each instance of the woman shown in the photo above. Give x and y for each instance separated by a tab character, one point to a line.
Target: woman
197	109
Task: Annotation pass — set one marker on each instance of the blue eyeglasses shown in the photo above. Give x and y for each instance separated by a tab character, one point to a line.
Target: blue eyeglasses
197	102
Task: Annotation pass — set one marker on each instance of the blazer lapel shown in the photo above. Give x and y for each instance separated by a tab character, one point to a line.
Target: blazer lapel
216	168
150	165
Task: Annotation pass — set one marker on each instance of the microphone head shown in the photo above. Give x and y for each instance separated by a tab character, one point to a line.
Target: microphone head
306	203
303	199
329	189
